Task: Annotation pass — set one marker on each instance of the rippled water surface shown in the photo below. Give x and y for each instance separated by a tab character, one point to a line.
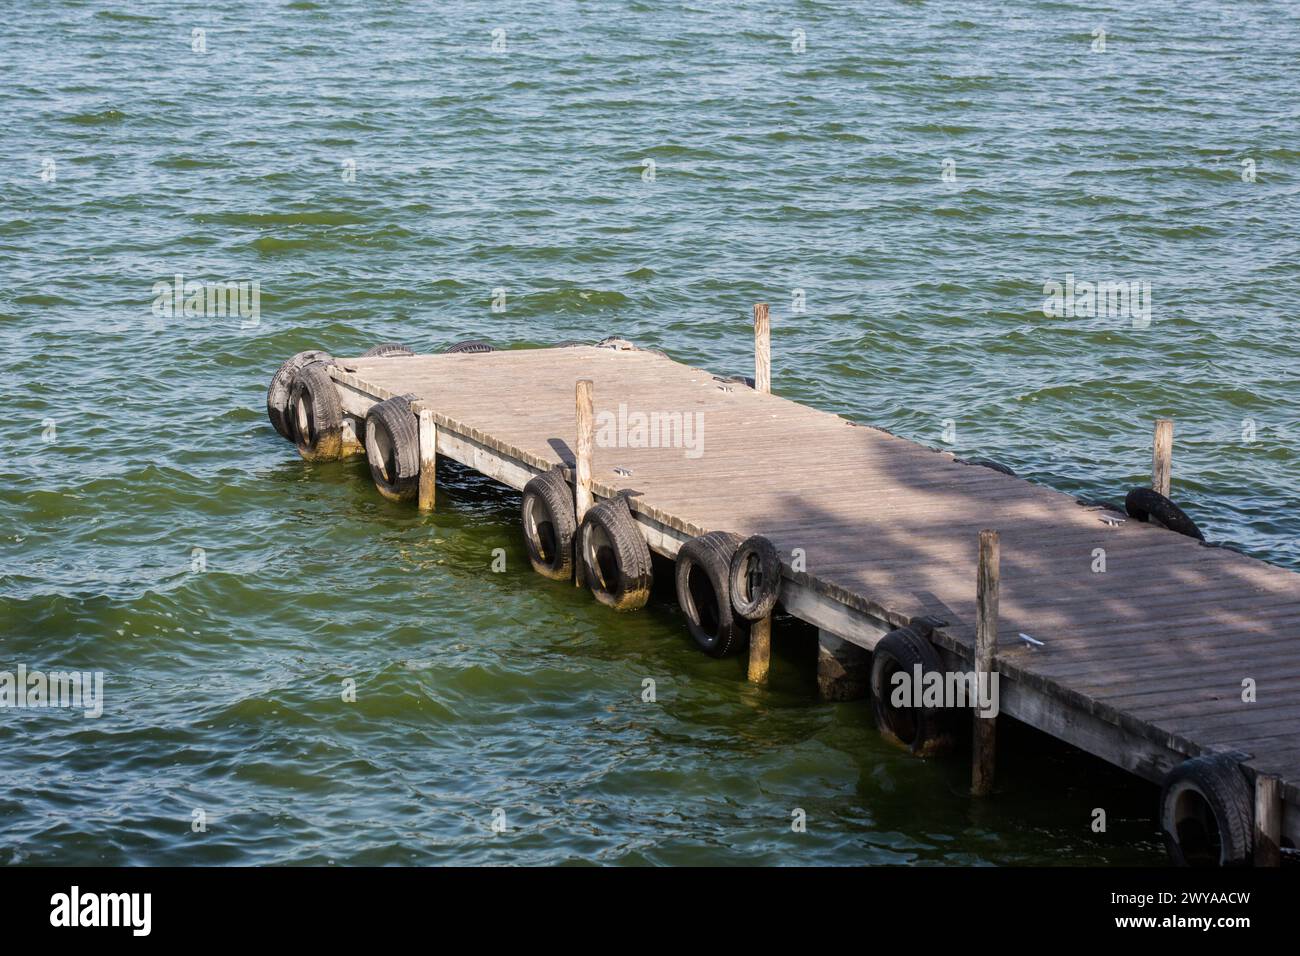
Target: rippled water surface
131	439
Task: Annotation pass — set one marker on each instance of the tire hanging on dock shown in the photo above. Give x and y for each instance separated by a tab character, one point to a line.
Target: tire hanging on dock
703	576
615	558
277	395
549	524
471	346
392	440
1143	504
746	380
385	350
315	413
1207	812
754	578
925	731
988	463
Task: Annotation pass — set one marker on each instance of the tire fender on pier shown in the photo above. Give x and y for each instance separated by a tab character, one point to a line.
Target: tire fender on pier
1207	812
277	395
392	441
925	731
990	464
703	577
1143	504
754	578
617	343
614	555
549	524
385	350
316	414
746	380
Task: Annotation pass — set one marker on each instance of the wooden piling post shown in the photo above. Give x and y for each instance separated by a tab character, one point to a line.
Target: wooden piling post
1162	455
428	461
586	420
762	348
586	439
843	668
1268	820
986	640
354	436
760	650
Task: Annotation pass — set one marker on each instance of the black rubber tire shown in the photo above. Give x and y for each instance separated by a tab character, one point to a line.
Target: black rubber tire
392	440
1143	504
755	578
277	395
315	413
745	380
990	463
614	555
1207	812
385	350
549	524
925	731
471	346
703	577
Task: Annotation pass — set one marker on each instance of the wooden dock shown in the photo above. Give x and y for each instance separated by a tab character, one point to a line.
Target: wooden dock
1141	664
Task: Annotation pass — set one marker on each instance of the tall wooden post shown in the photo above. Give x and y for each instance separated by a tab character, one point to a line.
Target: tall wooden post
1162	455
986	640
762	349
582	465
760	650
428	461
1268	820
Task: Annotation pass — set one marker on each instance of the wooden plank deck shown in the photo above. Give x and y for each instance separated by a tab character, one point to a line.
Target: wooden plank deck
1151	653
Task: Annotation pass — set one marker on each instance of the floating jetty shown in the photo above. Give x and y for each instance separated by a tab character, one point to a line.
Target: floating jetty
1171	658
